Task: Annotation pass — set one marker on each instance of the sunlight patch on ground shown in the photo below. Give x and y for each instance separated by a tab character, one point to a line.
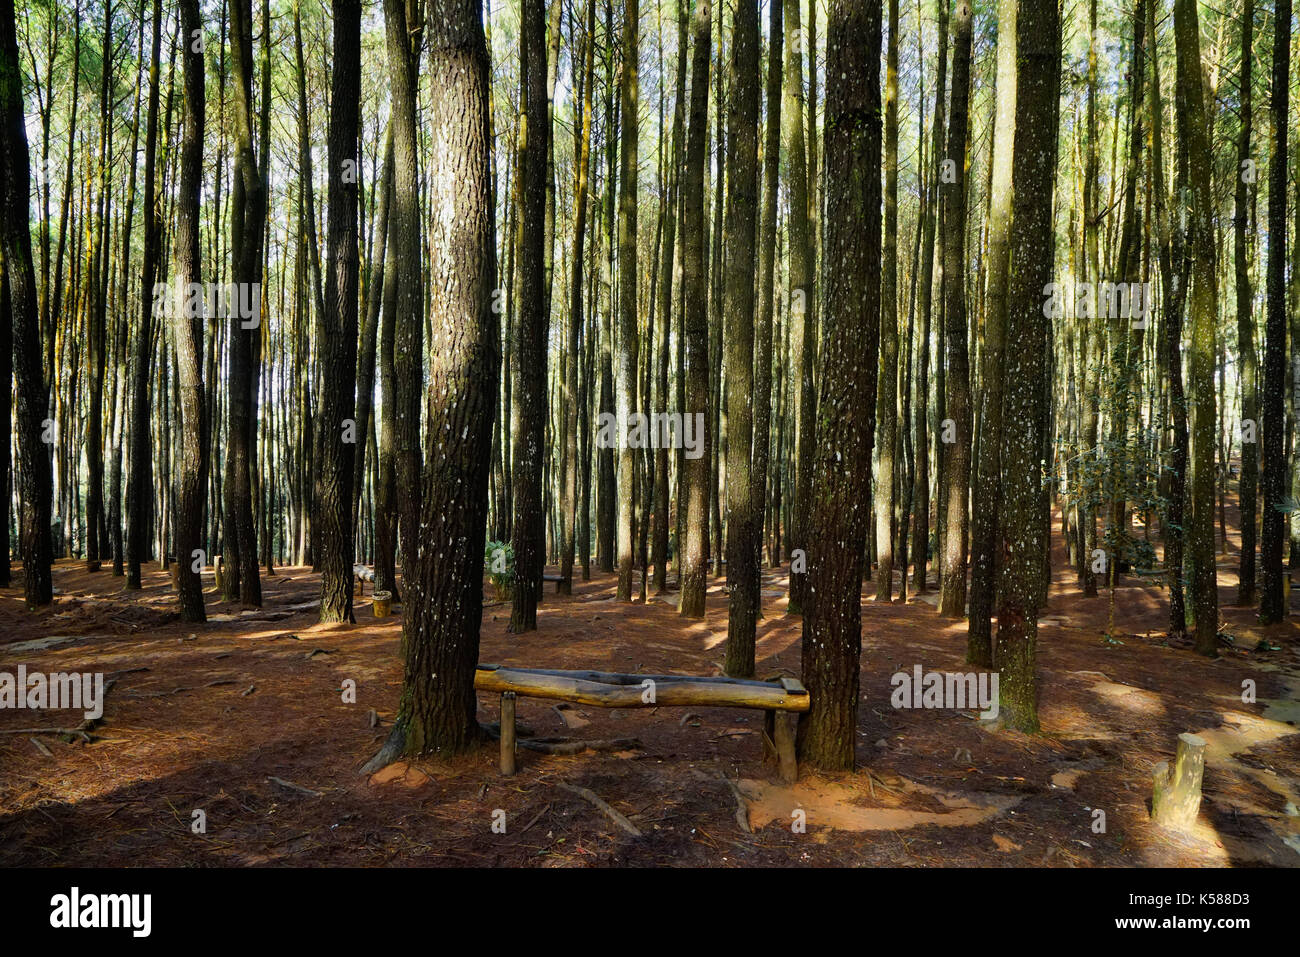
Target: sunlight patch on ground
827	804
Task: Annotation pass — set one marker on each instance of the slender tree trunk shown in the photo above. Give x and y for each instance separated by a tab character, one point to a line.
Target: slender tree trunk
887	394
1038	58
763	391
694	571
626	346
188	329
984	535
957	456
802	333
1202	302
366	360
529	351
921	538
1249	370
337	330
97	316
582	151
739	268
1271	605
248	216
1173	285
139	487
7	407
671	266
35	485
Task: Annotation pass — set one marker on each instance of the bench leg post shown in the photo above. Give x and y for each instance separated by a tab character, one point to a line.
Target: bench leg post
508	733
769	734
785	747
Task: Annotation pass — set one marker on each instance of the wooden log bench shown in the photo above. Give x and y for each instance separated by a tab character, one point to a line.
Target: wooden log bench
780	700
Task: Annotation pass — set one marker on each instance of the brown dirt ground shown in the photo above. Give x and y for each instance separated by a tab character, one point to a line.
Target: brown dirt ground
202	716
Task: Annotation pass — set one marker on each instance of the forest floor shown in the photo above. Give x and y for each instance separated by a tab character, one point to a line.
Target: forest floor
217	717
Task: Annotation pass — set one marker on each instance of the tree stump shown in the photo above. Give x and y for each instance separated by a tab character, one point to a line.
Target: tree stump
1176	792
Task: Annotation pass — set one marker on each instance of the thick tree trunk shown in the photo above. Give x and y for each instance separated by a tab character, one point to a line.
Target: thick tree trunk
832	638
444	581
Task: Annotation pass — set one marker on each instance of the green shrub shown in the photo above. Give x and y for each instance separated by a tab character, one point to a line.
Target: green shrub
499	566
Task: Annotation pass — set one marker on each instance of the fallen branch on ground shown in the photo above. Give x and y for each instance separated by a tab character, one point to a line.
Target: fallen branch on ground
294	787
566	747
613	815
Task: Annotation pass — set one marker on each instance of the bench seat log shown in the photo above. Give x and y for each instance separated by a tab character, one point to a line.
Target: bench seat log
627	690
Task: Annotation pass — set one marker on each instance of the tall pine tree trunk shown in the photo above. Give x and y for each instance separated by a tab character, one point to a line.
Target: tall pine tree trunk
832	638
572	391
984	518
338	325
887	392
139	486
1203	308
739	267
921	537
529	351
35	485
248	216
444	581
803	343
626	345
694	574
957	457
188	329
1247	356
1272	532
1038	58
